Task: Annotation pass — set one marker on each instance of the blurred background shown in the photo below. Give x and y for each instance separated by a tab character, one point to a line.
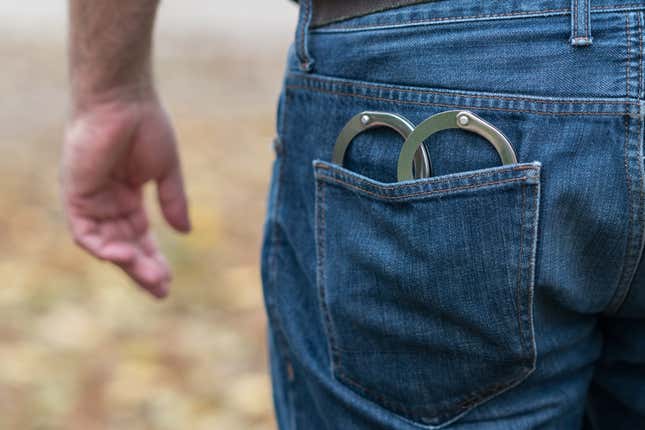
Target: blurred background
81	347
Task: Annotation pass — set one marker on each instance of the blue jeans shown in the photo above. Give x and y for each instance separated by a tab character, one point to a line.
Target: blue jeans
487	296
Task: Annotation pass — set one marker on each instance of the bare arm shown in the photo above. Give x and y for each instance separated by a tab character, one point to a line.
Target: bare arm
118	138
110	46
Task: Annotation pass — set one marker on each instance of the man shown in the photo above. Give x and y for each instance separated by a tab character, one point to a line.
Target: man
504	288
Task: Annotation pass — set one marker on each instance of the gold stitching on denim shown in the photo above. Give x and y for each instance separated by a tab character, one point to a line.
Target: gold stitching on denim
532	275
303	45
421	193
620	7
322	293
587	13
641	53
613	302
452	94
468	400
574	17
619	295
519	265
442	181
453	105
626	149
629	53
303	28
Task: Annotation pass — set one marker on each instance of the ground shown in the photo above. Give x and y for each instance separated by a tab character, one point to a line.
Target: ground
80	347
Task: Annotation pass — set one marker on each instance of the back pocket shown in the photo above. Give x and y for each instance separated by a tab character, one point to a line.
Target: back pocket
426	286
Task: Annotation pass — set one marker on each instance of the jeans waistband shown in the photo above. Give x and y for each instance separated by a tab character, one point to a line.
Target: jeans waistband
328	11
581	12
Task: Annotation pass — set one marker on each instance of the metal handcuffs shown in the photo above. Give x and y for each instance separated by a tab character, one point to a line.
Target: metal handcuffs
414	161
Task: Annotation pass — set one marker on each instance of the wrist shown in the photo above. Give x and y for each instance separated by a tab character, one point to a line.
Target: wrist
87	97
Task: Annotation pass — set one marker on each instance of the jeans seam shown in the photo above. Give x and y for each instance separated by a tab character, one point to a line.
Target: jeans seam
634	226
282	347
613	7
475	96
574	14
304	46
633	255
519	265
532	271
587	23
334	357
422	193
415	22
419	103
528	338
629	55
575	38
394	187
272	258
273	317
619	291
641	54
467	402
528	332
479	17
302	33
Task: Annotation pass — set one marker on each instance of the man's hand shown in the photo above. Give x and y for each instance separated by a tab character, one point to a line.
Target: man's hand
112	148
118	138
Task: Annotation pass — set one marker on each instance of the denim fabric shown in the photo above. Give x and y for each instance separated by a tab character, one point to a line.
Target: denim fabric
485	297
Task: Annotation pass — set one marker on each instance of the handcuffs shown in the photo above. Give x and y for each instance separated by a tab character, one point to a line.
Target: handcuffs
414	161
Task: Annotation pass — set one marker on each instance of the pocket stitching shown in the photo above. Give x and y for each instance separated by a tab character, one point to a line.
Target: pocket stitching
432	185
469	400
424	193
432	180
528	344
320	272
519	267
452	410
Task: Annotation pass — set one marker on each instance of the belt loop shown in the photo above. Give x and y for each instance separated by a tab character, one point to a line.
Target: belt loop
580	23
302	36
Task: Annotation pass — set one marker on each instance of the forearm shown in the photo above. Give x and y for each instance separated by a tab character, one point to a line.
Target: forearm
110	48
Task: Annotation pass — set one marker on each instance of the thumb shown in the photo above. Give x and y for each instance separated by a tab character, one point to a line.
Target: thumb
173	201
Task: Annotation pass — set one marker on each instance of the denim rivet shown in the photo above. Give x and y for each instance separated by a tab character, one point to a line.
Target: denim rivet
463	120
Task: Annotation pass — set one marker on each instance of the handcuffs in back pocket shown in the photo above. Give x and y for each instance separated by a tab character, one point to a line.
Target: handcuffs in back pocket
414	161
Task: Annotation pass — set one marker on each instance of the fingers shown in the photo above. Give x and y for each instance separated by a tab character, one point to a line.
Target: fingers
149	269
136	254
141	261
117	253
173	201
